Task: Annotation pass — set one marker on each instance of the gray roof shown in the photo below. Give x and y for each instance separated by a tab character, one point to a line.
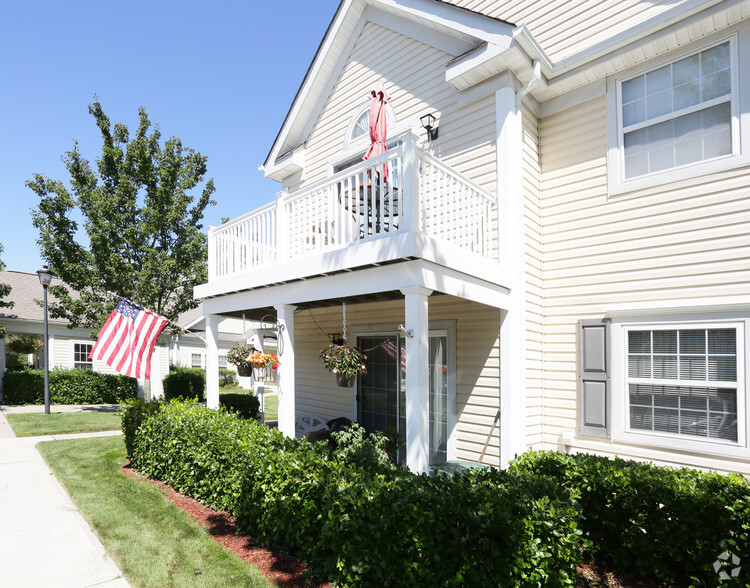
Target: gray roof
26	291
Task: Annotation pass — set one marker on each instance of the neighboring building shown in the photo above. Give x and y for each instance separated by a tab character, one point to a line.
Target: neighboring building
69	348
570	252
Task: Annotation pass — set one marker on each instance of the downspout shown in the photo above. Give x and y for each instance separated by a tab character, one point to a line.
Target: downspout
536	76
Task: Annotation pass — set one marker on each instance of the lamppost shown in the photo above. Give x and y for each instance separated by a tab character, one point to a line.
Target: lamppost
45	279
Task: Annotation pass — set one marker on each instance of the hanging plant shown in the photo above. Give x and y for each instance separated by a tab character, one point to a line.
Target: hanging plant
345	362
24	344
240	356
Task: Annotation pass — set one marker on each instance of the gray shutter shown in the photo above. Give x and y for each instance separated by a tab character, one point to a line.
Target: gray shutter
594	403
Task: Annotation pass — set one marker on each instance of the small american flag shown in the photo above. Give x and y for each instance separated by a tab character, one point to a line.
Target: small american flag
127	339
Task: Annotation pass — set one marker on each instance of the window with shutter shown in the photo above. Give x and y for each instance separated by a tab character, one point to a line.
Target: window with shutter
683	381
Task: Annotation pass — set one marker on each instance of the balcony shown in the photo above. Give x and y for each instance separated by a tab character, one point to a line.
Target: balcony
357	218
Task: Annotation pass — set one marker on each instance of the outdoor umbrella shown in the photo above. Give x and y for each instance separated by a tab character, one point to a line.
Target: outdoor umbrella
378	125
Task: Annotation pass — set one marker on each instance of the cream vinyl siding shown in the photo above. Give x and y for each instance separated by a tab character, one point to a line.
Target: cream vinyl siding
533	259
563	28
679	242
414	76
477	364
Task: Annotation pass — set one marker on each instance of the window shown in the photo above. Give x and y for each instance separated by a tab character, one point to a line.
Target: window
222	362
684	381
81	359
196	360
677	120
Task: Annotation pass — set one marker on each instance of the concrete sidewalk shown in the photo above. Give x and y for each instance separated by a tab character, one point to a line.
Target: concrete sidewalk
44	539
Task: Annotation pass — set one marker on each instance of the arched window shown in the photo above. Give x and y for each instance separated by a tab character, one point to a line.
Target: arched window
358	131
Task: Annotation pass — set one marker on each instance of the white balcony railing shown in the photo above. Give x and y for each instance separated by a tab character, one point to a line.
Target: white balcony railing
421	194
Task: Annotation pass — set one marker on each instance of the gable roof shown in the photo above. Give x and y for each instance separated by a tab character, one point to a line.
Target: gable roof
454	29
26	290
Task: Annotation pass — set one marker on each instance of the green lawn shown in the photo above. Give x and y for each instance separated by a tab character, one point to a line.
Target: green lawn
272	407
154	542
272	402
28	424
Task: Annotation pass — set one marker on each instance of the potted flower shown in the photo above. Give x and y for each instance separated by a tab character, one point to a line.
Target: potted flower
240	356
346	362
264	365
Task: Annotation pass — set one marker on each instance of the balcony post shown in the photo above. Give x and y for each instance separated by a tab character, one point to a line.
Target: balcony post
212	272
410	184
282	228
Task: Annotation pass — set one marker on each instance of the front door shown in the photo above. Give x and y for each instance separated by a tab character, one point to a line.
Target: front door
381	391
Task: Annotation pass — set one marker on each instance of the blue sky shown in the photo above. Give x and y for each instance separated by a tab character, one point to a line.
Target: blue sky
219	75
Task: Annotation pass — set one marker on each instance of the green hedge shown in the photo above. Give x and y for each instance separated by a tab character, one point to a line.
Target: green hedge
654	523
355	525
68	387
185	383
246	405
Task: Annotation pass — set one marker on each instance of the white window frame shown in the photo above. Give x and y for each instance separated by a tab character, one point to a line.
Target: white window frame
621	432
192	356
739	43
224	358
73	363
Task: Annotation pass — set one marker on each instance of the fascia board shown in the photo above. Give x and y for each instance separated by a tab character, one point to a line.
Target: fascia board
409	274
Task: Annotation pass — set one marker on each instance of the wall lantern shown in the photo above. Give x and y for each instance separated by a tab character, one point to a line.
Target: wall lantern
428	124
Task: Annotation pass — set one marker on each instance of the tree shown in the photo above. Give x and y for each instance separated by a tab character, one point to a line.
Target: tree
143	227
4	291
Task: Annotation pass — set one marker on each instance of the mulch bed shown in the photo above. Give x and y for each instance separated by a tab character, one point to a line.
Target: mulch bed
279	567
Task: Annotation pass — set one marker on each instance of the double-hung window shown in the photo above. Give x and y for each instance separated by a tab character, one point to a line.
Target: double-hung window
685	381
81	360
677	120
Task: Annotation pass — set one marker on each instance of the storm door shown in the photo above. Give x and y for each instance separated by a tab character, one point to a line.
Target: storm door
381	392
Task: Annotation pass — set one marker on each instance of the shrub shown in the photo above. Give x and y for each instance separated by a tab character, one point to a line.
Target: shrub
228	379
68	387
133	413
185	383
484	528
653	522
246	406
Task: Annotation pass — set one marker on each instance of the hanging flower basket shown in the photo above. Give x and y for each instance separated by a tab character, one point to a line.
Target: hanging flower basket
265	374
346	362
345	381
245	370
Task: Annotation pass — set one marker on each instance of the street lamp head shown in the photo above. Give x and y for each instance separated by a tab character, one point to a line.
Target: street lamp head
45	276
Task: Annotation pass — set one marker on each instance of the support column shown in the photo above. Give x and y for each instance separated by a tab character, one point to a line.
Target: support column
285	378
212	360
511	240
417	380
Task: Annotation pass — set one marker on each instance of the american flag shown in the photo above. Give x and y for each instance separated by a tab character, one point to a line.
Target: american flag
127	339
389	346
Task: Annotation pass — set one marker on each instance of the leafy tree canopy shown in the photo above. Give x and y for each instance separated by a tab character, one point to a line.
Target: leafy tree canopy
4	291
143	230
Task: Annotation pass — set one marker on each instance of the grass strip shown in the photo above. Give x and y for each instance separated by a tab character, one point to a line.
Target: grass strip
153	542
29	424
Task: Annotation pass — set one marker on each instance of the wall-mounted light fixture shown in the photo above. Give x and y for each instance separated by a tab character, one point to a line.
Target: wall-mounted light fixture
428	124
